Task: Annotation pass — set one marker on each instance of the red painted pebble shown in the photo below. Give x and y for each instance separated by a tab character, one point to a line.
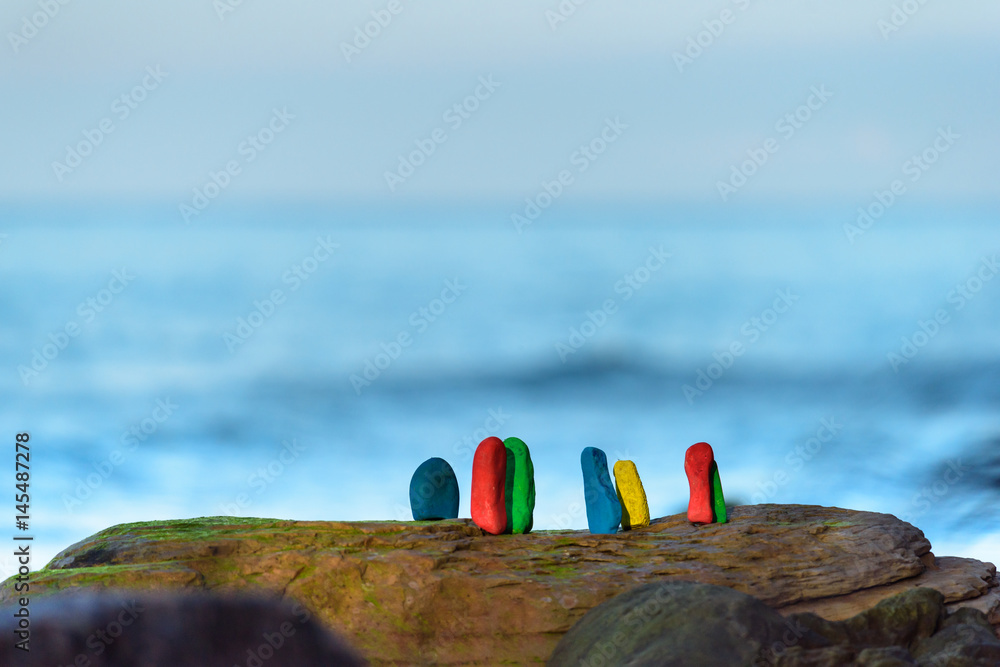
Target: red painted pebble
697	465
489	477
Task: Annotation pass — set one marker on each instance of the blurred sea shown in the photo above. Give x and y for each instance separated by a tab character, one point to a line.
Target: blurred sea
273	425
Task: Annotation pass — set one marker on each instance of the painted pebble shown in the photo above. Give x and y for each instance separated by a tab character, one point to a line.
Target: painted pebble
631	495
489	475
519	492
434	491
697	464
718	500
604	512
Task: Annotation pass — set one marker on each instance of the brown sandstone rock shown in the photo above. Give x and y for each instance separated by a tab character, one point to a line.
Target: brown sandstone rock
965	582
412	591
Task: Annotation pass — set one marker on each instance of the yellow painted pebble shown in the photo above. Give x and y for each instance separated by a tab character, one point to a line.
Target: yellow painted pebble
635	509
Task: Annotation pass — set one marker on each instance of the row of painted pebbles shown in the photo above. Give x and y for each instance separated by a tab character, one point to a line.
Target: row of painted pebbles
625	503
503	489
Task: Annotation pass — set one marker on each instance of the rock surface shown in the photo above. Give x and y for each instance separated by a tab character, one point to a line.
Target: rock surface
965	582
434	491
173	629
489	479
403	592
520	487
604	511
685	623
631	496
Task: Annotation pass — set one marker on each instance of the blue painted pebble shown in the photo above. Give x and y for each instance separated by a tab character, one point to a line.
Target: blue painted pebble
434	491
604	511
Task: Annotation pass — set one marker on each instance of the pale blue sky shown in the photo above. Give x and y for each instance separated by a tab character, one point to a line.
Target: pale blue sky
686	129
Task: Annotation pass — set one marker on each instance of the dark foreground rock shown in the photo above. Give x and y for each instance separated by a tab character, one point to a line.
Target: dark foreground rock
172	630
686	623
446	593
673	623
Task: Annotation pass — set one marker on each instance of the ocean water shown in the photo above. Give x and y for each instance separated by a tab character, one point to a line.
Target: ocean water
583	329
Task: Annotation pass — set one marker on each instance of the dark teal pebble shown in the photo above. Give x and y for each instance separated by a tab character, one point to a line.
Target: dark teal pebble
434	491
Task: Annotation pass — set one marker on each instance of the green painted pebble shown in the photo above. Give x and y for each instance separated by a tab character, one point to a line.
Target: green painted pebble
520	487
718	500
